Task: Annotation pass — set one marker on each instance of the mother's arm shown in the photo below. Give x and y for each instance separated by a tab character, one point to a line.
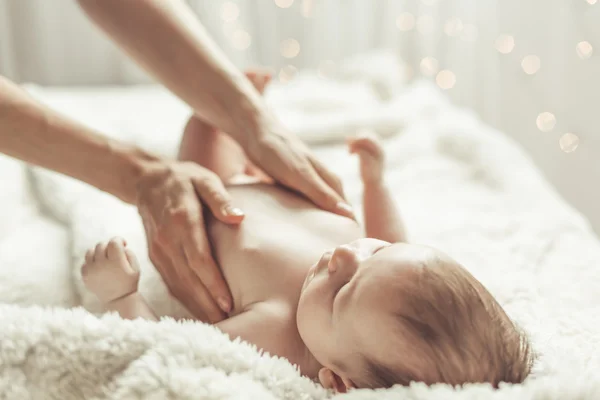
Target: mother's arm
166	192
34	133
167	39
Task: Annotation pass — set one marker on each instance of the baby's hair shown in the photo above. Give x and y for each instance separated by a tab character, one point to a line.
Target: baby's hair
460	333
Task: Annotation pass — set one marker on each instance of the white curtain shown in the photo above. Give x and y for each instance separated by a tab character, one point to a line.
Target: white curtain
509	60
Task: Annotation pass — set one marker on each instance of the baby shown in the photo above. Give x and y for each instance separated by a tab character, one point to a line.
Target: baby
307	285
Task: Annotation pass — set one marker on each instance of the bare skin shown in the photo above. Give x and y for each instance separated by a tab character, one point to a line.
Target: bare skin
278	244
168	40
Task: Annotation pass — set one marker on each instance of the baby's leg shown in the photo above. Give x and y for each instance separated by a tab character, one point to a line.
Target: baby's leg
217	151
111	272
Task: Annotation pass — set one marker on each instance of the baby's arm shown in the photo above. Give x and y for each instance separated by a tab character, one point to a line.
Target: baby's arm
111	272
382	217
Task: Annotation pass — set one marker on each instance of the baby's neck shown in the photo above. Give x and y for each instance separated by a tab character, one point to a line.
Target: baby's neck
308	364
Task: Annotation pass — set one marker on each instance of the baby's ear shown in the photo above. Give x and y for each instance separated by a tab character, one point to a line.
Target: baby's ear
330	380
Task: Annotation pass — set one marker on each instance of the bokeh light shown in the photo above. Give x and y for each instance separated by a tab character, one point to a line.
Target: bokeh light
326	69
287	73
545	121
405	21
229	11
568	142
429	66
284	3
445	79
469	33
531	64
584	50
307	8
505	44
453	27
290	48
425	23
240	39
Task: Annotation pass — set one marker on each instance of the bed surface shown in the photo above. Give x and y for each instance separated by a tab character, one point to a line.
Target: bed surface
462	187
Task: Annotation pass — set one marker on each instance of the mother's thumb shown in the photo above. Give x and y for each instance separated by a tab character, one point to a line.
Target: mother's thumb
212	193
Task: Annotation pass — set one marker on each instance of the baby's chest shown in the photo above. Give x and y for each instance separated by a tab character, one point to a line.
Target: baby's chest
266	259
281	237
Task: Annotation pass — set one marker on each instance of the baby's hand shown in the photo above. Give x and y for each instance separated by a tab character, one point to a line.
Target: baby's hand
371	156
111	271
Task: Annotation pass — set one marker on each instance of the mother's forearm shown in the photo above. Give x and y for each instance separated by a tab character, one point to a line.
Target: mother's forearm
36	134
166	38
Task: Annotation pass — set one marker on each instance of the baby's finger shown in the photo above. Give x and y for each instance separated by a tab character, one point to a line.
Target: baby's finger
89	256
100	251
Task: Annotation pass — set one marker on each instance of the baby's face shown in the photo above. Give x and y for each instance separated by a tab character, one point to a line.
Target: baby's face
347	308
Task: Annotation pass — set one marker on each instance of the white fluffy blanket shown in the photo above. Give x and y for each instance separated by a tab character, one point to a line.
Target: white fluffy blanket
462	187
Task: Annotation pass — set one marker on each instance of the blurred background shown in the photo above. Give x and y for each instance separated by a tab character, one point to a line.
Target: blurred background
530	68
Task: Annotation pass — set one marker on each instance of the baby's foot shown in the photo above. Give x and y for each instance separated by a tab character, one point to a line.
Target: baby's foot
111	271
371	155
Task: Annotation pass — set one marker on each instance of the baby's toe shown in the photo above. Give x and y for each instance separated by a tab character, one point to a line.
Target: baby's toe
100	252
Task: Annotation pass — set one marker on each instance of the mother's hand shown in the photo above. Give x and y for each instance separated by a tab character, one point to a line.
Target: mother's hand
168	199
284	157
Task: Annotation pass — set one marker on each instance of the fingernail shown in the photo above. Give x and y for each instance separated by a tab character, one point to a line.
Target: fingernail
232	211
224	304
345	207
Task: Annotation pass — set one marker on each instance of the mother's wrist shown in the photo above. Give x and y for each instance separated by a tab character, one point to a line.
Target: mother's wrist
132	164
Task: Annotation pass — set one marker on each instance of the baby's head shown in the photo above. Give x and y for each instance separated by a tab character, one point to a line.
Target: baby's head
375	314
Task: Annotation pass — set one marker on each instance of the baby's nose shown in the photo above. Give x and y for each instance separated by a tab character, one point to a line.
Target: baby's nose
343	258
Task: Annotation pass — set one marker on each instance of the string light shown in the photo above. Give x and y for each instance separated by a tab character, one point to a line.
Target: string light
284	3
307	8
429	66
453	26
505	44
405	21
425	24
287	73
241	39
545	121
326	69
568	142
531	64
445	79
290	48
584	50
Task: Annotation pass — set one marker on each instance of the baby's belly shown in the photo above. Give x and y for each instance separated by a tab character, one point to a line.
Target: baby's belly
282	235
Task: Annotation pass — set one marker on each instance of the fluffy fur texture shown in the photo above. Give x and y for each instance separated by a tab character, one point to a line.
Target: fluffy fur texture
462	187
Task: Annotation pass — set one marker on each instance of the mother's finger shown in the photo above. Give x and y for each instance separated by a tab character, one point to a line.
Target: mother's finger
319	192
211	191
329	177
185	286
199	256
